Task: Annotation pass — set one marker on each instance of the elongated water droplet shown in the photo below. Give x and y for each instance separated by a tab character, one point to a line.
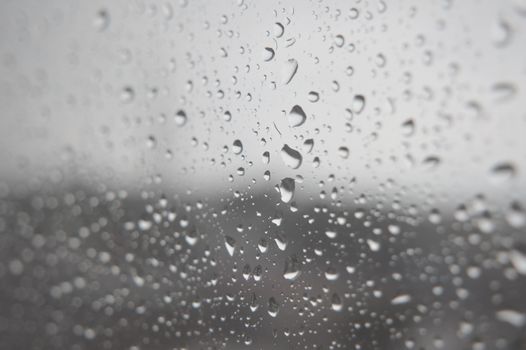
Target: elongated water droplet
513	317
291	157
230	244
288	71
296	116
336	302
502	172
401	299
292	268
237	147
308	145
286	189
273	307
281	241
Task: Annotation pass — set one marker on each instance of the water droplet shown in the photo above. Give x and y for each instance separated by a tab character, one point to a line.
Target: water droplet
266	157
180	118
296	116
513	317
331	274
281	241
286	189
127	94
313	96
503	172
291	157
308	145
516	216
431	162
273	307
518	260
331	234
102	20
339	41
279	30
408	127
353	13
401	299
343	152
501	33
191	238
268	54
230	244
503	91
237	147
292	269
288	70
336	302
263	245
373	245
358	104
254	303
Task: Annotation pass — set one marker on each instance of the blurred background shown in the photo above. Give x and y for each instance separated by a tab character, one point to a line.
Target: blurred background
242	174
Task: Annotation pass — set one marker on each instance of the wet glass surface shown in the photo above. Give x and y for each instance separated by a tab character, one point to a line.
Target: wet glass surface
250	174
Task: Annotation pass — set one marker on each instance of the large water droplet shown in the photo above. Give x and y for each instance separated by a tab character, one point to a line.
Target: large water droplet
292	269
286	189
237	147
291	157
336	302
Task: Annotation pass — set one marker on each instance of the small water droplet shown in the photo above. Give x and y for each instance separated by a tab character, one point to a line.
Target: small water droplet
343	152
401	299
127	94
273	307
296	116
313	96
268	54
336	302
358	104
408	127
339	40
279	30
503	172
180	118
230	244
